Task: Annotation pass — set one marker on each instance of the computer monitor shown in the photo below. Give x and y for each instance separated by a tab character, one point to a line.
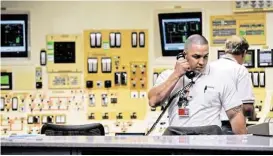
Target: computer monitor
265	58
250	59
175	28
220	53
14	35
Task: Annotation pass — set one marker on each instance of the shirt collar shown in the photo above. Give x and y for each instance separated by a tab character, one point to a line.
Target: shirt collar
228	57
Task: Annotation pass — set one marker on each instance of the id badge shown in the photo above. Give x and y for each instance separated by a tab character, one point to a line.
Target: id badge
184	112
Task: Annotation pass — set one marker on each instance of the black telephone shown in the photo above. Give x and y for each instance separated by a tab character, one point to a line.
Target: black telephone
189	74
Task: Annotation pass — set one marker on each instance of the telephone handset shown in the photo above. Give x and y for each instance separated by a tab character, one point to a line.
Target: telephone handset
189	74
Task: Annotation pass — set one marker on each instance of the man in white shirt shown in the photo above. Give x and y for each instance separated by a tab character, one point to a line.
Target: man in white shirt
212	90
235	49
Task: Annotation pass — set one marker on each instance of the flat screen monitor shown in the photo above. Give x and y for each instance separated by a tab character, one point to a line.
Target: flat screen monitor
175	28
220	53
265	58
250	59
14	35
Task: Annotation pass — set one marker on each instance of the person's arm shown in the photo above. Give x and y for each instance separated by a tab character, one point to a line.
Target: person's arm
159	92
237	120
165	84
232	103
246	91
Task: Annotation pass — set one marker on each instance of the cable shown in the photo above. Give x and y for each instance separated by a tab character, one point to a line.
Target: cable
181	93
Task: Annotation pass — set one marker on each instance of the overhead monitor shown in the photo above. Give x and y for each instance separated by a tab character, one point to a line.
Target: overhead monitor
175	28
6	81
14	35
250	59
265	57
220	53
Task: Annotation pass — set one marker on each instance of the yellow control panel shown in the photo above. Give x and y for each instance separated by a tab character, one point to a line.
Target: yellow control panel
115	74
100	76
251	26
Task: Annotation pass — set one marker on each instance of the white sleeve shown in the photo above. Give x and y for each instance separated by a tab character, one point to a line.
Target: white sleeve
245	89
163	76
229	95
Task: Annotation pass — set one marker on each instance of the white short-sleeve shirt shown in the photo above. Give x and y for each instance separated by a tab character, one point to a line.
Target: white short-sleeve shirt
239	74
208	95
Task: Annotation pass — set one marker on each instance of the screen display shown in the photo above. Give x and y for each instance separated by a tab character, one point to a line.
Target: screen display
220	53
249	59
265	58
64	52
176	31
6	81
14	41
175	28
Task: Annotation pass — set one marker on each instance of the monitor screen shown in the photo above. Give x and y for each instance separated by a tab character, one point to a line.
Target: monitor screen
175	28
64	52
6	81
249	59
265	58
14	30
220	53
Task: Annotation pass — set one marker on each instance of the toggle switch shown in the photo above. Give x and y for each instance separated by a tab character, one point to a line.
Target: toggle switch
106	65
141	39
119	116
105	116
262	79
92	116
118	39
117	78
104	99
133	116
93	40
112	39
2	104
123	78
92	100
14	103
92	65
43	57
98	40
134	39
255	79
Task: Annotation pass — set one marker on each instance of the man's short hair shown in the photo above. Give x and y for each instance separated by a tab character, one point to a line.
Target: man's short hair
195	39
236	45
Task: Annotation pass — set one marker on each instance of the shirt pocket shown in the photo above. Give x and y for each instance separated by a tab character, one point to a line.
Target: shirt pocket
211	98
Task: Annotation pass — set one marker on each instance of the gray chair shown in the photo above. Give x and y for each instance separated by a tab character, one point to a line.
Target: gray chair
94	129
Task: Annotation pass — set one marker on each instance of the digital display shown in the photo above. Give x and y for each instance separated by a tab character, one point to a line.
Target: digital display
249	59
6	81
64	52
265	58
221	53
14	36
175	28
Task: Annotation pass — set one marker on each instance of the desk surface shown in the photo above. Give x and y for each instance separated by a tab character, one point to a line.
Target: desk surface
220	142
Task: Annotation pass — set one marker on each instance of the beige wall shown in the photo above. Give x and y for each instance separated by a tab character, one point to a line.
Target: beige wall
73	17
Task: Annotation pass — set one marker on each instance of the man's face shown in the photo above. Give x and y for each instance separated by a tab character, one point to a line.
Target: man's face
197	56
